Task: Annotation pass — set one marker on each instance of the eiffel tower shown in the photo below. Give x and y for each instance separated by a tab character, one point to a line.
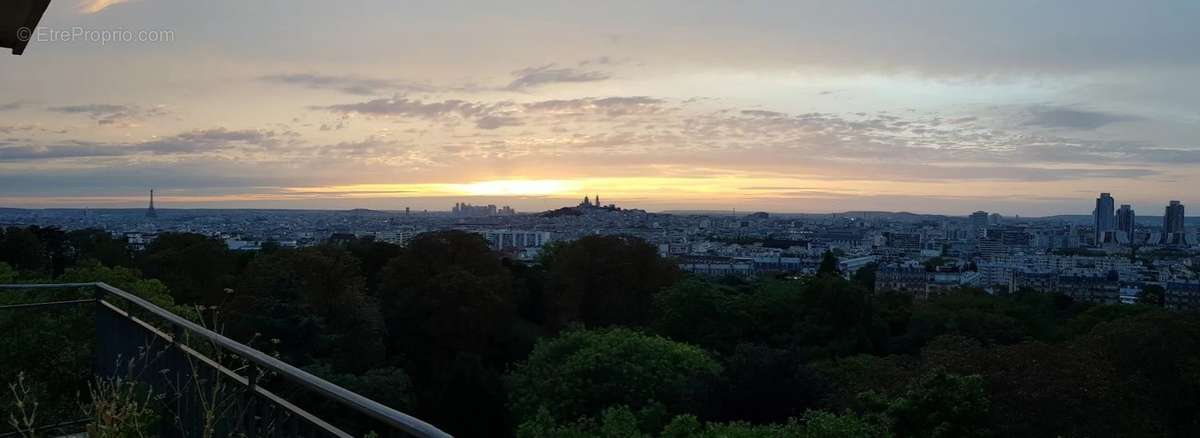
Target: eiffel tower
150	213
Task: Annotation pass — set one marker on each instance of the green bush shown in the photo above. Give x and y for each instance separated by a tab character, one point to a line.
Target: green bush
581	372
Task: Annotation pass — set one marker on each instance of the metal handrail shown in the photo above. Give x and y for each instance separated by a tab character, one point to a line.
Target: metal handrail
366	406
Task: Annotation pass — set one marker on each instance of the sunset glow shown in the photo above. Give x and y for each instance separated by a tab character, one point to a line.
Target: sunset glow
390	106
518	188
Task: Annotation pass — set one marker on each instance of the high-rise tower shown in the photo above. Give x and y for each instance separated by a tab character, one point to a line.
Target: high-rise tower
1125	220
1102	217
1173	218
150	211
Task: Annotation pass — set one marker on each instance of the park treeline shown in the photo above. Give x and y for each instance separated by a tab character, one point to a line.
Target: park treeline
603	337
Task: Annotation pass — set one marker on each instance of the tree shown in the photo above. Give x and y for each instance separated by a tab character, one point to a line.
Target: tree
445	294
581	372
820	424
22	250
1152	294
813	424
622	422
605	280
1157	355
895	308
614	422
7	273
829	265
680	306
1083	323
838	319
865	276
98	245
373	257
129	280
763	384
312	302
1037	388
934	263
196	268
387	385
850	376
466	396
937	405
971	313
56	250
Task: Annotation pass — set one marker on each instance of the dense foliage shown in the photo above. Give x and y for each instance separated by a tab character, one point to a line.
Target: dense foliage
603	337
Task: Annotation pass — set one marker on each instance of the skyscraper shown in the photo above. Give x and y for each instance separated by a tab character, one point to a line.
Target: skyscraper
1125	220
979	219
150	213
1173	219
1102	217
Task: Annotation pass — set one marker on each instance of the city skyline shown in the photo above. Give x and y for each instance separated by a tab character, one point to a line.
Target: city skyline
385	106
541	204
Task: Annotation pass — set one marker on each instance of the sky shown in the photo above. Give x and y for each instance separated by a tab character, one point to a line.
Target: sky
1020	107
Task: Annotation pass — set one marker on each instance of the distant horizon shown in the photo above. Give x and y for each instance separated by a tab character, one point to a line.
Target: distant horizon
500	203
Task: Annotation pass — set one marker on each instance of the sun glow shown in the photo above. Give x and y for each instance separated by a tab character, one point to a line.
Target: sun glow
649	187
508	187
519	187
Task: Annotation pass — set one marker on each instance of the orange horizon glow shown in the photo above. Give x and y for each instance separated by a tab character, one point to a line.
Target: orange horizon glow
666	188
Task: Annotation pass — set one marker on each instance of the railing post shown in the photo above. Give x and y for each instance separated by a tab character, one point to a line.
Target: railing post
101	347
251	407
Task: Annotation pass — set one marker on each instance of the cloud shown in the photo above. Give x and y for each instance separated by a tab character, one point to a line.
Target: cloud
370	148
6	129
494	122
94	6
347	84
111	114
552	74
495	115
96	109
609	106
403	107
762	113
208	140
26	153
1064	117
192	142
1010	173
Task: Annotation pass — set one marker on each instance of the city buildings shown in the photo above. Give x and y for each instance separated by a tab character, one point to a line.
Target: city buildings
923	255
467	210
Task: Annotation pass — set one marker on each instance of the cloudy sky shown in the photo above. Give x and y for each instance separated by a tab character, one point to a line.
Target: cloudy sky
1022	107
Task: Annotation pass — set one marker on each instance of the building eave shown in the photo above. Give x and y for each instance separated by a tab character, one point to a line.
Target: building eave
20	24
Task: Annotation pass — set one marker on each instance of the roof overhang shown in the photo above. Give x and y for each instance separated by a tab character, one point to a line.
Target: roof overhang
18	22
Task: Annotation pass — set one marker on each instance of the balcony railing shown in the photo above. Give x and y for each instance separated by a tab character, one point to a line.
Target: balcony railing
217	385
